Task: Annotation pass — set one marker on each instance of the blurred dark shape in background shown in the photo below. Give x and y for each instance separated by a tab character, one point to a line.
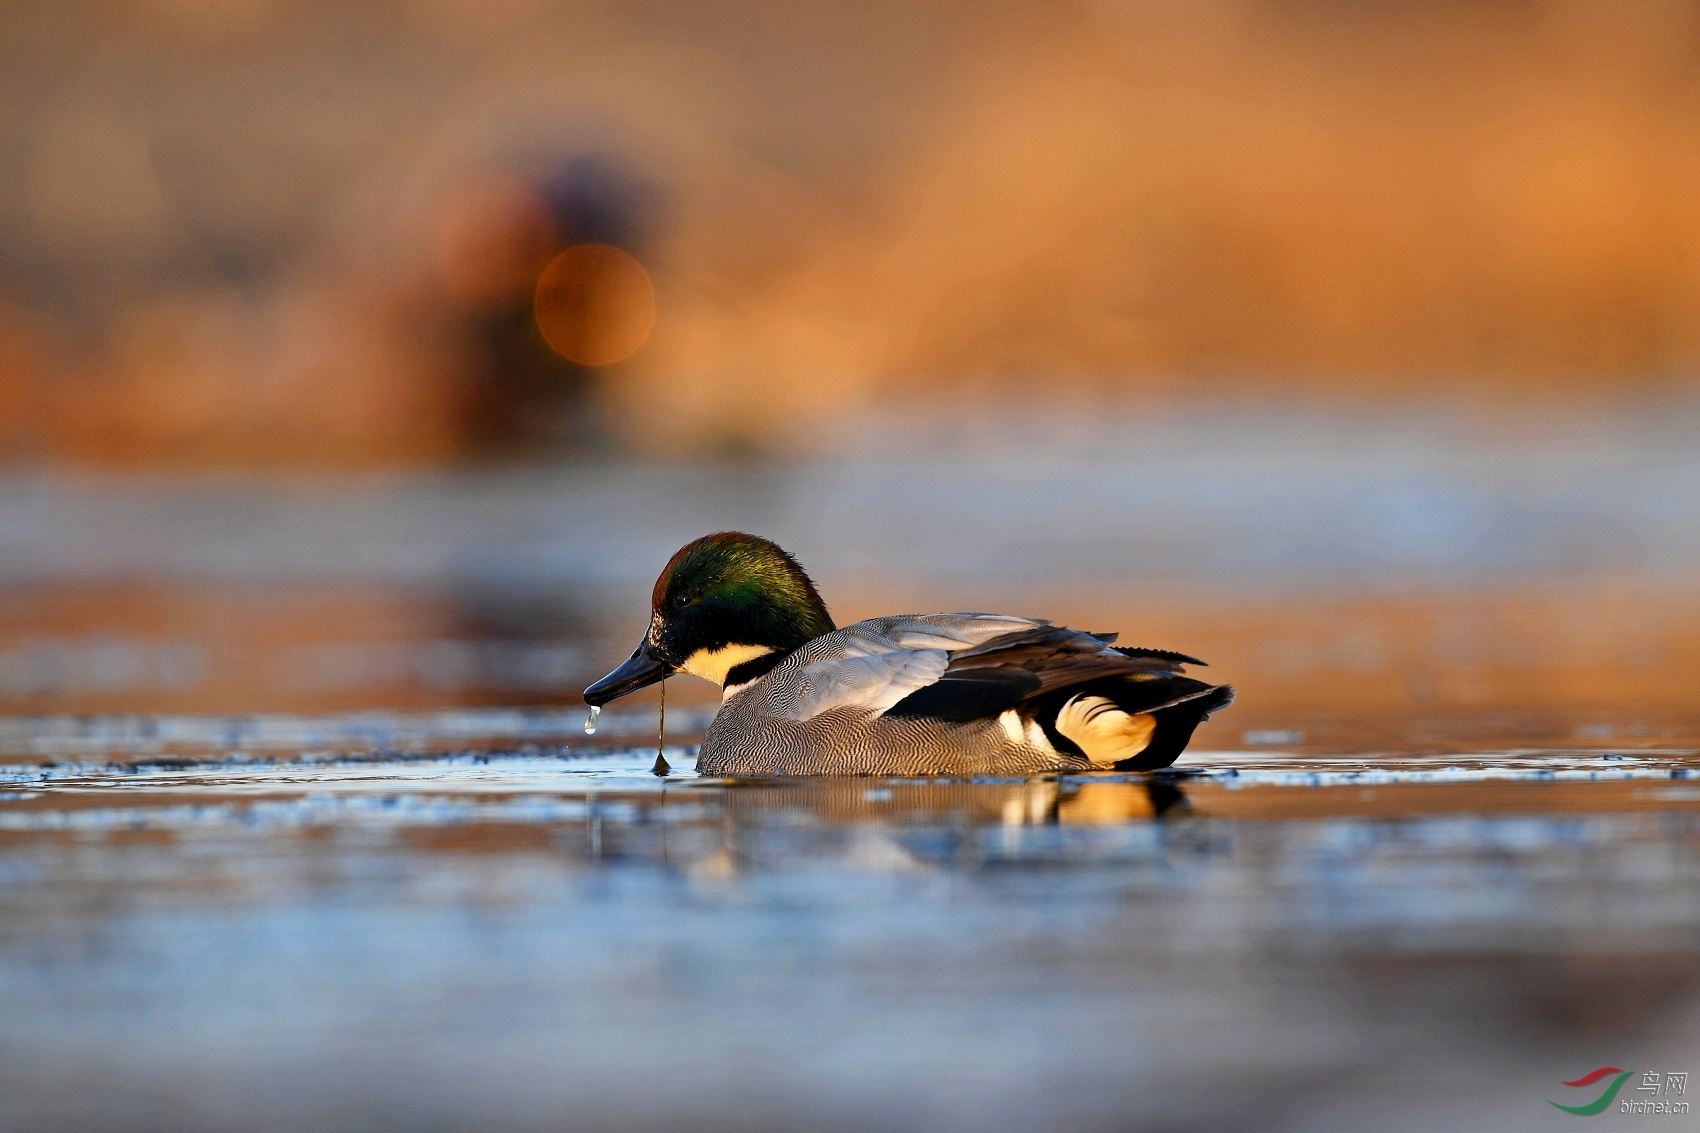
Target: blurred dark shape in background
281	233
517	257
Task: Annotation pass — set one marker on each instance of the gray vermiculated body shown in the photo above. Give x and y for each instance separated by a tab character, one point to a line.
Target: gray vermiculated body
849	741
819	710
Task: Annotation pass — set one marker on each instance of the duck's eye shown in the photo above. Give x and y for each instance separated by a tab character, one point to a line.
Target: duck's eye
681	600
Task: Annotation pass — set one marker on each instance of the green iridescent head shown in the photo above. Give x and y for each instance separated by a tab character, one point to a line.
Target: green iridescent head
727	606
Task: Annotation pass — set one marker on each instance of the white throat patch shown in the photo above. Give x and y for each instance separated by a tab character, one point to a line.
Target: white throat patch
714	664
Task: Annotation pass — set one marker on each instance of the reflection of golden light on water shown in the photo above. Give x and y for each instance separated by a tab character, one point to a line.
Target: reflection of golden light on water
1106	804
595	304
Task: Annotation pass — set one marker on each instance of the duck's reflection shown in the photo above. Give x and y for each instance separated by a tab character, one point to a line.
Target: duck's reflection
717	828
896	826
1030	802
1099	804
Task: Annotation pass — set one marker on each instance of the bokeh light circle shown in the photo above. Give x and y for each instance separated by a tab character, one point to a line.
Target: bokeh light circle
595	304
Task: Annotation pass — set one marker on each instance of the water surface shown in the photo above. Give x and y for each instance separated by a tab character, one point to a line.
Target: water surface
481	920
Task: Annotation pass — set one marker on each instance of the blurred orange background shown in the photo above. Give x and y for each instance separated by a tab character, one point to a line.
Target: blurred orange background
290	233
1353	346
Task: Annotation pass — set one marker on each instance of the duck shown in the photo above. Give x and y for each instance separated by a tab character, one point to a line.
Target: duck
958	694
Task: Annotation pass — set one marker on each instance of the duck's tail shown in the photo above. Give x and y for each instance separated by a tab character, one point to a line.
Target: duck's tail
1174	729
1114	723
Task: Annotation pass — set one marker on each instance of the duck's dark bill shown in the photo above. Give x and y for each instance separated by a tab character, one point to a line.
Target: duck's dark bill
640	669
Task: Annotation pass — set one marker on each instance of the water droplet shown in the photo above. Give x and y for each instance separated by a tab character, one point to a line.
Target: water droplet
590	721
